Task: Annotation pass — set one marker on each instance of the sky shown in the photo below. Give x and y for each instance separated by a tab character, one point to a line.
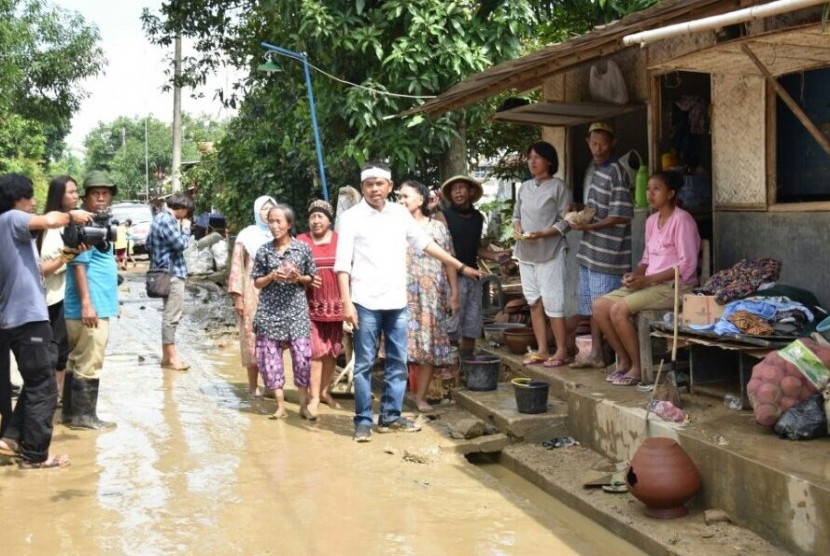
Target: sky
132	80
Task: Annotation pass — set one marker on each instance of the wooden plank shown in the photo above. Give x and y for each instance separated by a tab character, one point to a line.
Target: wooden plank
770	152
805	120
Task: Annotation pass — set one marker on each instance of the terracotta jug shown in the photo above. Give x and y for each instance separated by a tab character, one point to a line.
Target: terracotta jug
663	477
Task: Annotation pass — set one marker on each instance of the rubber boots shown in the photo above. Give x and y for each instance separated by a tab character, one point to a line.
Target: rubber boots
66	408
85	404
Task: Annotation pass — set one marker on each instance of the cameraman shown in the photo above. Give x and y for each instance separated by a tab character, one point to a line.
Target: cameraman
91	300
168	238
24	325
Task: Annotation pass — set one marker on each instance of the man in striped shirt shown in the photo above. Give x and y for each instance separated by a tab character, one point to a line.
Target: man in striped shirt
604	254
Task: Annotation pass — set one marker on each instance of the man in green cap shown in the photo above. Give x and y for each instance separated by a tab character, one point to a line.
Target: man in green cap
91	300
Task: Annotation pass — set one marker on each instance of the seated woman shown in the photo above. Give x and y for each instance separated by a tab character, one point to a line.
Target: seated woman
672	240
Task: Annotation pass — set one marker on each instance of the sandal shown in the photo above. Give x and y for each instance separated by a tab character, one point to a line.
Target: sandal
50	463
615	375
626	380
533	359
555	362
9	447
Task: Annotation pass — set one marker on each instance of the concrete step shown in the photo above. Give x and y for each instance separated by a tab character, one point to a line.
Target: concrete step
498	407
776	488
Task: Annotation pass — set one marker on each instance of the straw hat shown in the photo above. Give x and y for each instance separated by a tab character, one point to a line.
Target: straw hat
476	190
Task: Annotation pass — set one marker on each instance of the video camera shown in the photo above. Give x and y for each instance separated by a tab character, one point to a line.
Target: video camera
99	234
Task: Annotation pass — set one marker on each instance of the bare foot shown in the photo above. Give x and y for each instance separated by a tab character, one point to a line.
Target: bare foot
9	447
280	413
327	399
423	406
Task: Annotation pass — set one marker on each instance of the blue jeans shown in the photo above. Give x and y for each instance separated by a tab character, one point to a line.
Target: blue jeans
394	324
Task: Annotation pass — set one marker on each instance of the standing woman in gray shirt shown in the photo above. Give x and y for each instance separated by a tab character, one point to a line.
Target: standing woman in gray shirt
539	228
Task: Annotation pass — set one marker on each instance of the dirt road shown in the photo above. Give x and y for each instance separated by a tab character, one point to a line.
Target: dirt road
194	467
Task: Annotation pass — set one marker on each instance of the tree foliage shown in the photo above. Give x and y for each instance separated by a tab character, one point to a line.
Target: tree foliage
118	147
45	52
390	46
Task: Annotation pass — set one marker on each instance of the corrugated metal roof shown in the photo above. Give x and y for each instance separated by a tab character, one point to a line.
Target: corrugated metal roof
528	72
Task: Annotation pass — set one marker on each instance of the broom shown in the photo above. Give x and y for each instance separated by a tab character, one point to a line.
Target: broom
669	391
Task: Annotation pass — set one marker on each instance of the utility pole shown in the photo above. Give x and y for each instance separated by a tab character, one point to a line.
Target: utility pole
146	161
177	116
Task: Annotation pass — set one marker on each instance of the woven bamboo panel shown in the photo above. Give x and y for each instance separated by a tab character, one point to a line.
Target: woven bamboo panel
738	140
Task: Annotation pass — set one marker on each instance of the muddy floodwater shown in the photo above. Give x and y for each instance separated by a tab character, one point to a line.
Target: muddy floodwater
195	467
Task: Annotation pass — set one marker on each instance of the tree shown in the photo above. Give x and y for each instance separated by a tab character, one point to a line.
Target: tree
45	52
391	46
118	147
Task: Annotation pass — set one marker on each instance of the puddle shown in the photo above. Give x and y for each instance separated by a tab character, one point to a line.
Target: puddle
575	533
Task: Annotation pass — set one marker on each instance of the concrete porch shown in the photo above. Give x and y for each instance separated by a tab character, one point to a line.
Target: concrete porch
776	488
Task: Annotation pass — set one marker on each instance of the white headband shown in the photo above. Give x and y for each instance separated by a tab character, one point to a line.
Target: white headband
375	172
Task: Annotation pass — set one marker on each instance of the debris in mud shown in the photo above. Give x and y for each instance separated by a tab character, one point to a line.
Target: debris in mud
415	458
560	442
391	451
716	516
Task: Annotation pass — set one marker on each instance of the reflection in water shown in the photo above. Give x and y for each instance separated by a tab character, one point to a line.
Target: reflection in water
194	467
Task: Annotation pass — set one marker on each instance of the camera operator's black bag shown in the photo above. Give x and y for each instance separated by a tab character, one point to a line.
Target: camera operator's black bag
158	282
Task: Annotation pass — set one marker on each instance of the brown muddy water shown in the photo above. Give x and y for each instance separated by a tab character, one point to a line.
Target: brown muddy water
195	467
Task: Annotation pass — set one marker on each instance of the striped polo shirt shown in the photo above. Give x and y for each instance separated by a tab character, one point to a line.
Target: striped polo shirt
608	250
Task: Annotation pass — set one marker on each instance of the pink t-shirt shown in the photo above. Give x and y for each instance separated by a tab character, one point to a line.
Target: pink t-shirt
677	243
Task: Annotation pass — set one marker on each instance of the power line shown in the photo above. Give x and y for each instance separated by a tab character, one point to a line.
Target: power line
370	89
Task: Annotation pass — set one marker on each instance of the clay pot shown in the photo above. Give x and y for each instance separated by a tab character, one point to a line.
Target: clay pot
518	340
663	477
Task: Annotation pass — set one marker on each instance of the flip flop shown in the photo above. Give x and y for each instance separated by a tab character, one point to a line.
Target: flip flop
626	380
533	359
614	376
50	463
180	367
552	362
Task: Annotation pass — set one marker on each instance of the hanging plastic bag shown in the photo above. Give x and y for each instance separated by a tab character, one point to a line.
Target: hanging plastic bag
803	421
631	161
606	83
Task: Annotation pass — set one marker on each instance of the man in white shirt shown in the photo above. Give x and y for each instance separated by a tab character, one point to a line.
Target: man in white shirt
371	273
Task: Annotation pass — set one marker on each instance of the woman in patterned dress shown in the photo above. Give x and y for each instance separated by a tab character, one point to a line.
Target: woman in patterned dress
283	268
241	285
324	305
432	293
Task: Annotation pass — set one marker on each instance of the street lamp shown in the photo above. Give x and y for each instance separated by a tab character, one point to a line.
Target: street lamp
301	56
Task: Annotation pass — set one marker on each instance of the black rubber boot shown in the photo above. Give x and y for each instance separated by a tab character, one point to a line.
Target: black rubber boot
85	404
66	408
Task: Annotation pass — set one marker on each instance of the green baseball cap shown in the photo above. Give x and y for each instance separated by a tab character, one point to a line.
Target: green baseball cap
98	178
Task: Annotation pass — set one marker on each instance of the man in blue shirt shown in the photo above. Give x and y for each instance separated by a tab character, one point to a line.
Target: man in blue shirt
168	238
24	325
91	300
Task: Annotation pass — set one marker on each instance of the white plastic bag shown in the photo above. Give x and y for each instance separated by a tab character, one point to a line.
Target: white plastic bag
220	255
607	85
631	161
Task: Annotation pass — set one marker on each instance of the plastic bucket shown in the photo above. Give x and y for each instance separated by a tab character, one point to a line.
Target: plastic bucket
531	395
482	372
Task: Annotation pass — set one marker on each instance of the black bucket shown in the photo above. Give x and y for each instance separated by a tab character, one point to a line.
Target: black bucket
531	395
482	372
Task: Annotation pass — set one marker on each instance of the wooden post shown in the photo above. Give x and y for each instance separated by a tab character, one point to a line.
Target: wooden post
789	101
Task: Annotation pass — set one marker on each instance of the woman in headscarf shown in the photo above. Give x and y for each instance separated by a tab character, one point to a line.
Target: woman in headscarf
241	285
324	305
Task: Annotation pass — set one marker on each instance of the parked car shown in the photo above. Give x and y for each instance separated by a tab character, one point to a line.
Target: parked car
141	215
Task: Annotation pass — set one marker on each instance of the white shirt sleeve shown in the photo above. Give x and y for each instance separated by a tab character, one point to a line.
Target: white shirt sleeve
345	245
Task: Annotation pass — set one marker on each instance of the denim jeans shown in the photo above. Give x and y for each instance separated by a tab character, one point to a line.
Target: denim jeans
394	324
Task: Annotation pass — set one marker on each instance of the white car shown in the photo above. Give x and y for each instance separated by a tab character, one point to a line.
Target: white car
141	215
